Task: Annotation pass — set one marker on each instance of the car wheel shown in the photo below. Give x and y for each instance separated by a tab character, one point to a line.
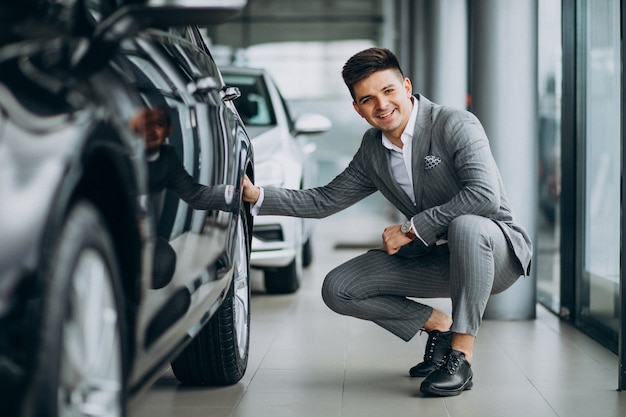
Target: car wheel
79	368
307	253
284	280
218	355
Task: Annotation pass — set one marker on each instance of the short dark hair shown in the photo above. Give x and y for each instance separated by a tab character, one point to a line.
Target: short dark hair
163	112
367	62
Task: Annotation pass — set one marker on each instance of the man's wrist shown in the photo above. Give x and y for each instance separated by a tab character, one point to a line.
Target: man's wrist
407	229
256	206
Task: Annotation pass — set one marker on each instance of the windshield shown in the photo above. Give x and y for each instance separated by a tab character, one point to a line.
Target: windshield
254	105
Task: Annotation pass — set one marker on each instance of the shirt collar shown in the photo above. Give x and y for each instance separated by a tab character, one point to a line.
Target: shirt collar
153	156
407	134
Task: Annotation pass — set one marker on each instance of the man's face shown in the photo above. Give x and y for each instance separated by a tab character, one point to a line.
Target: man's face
384	100
157	130
152	126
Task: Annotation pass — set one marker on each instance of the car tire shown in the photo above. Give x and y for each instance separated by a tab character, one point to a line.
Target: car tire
218	355
307	253
79	367
284	280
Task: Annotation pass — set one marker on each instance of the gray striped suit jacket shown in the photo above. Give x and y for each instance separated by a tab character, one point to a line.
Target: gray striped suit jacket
454	173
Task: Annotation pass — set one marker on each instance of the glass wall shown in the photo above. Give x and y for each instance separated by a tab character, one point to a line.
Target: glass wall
599	137
549	73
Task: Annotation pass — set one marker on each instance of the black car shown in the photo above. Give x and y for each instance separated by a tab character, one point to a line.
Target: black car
110	268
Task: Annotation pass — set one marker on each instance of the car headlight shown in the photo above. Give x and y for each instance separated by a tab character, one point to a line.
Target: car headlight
269	173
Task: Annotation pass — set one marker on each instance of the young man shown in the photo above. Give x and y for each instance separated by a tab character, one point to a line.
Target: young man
460	240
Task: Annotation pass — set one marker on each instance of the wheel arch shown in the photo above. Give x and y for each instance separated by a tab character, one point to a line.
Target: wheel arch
109	182
105	176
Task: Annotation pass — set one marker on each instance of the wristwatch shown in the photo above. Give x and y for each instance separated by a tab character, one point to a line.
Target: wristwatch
406	229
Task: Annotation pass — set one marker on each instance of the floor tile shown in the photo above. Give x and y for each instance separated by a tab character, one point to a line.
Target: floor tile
307	361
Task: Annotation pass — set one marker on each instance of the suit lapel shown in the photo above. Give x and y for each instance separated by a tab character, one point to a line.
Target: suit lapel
380	164
421	146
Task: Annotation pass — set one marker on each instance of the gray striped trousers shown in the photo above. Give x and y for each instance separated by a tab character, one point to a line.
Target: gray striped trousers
379	287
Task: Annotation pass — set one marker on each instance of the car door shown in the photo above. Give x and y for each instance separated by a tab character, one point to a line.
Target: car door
218	124
195	239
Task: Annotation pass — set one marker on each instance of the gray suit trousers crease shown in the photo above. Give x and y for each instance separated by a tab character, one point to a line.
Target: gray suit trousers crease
381	288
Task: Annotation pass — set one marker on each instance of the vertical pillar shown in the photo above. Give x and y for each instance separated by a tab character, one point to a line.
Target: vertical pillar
503	88
622	279
433	49
404	48
420	40
448	39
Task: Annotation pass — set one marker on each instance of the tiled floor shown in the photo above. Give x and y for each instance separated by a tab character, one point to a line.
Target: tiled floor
306	361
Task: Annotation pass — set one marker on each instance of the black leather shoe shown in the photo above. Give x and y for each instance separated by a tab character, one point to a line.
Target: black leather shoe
437	346
451	378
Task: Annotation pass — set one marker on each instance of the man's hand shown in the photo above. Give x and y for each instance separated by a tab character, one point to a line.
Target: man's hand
250	191
394	239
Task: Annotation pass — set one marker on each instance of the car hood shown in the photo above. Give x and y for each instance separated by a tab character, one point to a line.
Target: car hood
267	141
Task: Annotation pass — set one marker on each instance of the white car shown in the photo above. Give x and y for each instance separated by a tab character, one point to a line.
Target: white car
281	246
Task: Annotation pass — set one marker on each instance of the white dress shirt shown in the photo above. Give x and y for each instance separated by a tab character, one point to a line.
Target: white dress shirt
400	159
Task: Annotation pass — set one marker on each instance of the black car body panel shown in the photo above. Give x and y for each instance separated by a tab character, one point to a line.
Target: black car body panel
65	137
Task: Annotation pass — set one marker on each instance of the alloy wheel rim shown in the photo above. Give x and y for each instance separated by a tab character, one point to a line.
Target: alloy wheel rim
241	299
90	380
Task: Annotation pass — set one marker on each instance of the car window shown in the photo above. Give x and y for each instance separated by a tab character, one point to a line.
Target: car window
254	105
182	32
153	74
190	34
184	47
159	89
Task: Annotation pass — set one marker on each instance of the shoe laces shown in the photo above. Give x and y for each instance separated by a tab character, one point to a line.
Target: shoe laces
452	362
430	346
434	338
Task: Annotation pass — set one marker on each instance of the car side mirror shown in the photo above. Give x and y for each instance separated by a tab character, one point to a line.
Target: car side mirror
311	123
230	93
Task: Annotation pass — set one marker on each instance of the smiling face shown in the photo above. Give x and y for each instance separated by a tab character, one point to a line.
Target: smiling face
154	126
157	129
384	100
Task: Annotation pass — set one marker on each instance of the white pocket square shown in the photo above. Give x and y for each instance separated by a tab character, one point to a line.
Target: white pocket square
431	161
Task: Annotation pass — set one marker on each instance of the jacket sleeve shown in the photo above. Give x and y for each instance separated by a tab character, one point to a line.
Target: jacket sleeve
198	196
346	189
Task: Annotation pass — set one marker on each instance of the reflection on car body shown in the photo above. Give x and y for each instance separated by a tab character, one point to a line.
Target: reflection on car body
84	323
281	246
